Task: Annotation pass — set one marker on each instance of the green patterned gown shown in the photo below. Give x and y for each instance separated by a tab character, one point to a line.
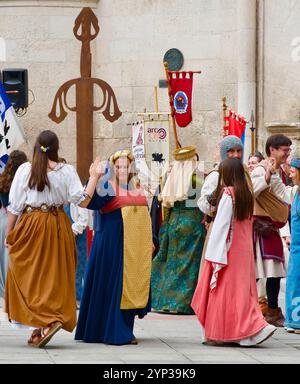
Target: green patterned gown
176	266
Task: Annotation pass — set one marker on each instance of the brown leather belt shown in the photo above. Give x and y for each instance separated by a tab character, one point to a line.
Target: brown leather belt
43	208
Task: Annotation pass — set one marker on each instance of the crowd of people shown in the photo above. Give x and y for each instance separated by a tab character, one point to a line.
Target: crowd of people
216	247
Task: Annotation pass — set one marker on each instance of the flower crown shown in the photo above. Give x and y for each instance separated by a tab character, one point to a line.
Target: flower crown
122	153
44	149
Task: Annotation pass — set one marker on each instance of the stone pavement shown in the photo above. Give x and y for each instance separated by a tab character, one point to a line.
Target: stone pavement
162	338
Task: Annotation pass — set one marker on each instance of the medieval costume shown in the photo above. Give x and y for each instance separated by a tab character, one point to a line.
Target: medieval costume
210	185
176	266
117	283
225	300
79	220
292	292
16	158
40	287
3	250
271	213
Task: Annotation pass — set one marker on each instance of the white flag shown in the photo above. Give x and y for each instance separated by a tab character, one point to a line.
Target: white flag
157	145
11	132
147	178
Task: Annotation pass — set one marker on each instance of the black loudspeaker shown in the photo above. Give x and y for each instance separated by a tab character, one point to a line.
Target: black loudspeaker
15	82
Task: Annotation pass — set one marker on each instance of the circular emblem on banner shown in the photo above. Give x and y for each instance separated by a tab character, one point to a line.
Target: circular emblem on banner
180	102
162	133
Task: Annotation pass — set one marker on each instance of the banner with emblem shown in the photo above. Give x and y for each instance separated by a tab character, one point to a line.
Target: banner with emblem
138	151
157	144
181	84
11	132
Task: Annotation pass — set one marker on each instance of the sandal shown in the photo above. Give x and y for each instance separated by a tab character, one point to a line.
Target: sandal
45	336
35	334
134	342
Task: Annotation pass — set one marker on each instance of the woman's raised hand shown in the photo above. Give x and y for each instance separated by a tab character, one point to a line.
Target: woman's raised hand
96	168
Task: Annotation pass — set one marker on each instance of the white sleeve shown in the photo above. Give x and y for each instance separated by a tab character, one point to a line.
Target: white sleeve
75	188
209	186
218	245
216	250
80	218
17	193
283	192
258	178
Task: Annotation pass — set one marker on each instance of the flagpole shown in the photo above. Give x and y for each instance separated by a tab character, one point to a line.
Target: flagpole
226	123
156	99
186	71
178	145
252	129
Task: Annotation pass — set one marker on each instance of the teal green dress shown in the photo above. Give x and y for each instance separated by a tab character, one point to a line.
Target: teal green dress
176	266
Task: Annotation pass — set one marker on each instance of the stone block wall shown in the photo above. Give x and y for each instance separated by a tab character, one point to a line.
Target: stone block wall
215	36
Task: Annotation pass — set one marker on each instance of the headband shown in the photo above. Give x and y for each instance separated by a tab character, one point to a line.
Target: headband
295	163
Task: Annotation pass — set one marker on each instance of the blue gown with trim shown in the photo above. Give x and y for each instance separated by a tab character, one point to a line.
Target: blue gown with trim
292	290
100	318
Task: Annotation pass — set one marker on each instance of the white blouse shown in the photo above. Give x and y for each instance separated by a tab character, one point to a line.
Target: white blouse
219	242
209	186
65	187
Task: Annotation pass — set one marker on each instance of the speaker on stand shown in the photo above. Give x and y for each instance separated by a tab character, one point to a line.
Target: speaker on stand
15	82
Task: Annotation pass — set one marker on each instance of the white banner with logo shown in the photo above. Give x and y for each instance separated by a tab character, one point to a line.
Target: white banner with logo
148	180
157	146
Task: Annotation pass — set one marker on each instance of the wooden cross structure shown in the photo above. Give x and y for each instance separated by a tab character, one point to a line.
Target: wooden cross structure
86	29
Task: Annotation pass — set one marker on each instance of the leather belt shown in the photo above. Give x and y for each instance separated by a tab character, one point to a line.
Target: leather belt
43	208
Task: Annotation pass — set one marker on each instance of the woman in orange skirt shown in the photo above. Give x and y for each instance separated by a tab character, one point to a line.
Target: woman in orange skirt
40	289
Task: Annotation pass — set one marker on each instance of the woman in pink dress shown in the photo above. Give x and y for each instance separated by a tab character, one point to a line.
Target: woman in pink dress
225	300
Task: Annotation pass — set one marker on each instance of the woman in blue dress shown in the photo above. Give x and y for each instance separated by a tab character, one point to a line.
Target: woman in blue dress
16	158
292	317
117	283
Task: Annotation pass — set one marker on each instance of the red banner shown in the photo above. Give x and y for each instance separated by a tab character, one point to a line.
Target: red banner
181	84
234	124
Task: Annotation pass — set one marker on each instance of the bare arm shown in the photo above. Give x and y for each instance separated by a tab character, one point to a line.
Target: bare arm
89	190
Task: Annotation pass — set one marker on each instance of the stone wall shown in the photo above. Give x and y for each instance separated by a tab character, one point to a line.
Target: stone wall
133	41
216	36
39	36
280	69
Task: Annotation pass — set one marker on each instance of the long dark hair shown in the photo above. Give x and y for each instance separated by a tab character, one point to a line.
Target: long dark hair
232	174
16	158
45	148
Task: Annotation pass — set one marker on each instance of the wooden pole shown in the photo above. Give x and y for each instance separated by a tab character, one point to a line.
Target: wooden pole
156	99
161	189
252	133
225	133
178	145
186	71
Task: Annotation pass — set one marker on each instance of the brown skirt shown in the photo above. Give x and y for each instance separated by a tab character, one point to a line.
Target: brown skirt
40	287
